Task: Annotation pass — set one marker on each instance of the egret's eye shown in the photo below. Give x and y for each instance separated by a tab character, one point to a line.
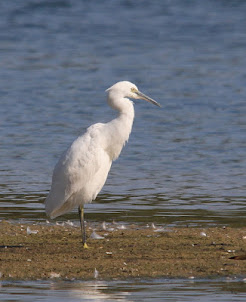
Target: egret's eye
133	89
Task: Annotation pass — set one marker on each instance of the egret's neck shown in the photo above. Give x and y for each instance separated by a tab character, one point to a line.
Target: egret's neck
120	127
125	121
126	112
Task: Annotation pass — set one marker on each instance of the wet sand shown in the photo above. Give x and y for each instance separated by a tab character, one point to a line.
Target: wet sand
56	251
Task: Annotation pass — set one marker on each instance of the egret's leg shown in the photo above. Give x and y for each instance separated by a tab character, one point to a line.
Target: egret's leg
82	224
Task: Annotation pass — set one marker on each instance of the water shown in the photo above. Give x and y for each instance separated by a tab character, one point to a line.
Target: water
184	164
130	290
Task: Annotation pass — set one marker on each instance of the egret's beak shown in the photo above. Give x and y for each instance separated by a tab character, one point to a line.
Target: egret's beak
146	98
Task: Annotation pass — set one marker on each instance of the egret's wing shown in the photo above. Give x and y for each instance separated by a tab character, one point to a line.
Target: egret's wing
74	172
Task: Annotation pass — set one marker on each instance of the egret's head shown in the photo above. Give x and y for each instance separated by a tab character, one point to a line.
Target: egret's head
129	90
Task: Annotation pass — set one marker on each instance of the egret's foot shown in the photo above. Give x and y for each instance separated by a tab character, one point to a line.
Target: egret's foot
85	246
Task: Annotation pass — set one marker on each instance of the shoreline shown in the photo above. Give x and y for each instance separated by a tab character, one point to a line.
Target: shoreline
31	252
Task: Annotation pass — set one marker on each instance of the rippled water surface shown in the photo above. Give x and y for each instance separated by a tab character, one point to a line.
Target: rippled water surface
145	290
185	162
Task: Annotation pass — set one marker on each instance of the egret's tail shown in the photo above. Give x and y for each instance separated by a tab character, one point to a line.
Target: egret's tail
54	209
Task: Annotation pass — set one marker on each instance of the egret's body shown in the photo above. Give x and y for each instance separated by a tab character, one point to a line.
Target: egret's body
82	170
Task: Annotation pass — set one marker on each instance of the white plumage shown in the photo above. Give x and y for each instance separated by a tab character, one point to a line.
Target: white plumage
82	170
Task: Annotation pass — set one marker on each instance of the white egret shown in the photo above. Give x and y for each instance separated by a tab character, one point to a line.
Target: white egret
83	168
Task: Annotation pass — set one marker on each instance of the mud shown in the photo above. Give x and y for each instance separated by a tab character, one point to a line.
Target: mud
55	251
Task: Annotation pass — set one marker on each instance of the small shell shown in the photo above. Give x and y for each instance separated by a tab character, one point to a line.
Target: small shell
96	273
121	227
104	227
94	235
153	225
69	223
29	231
54	275
203	234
